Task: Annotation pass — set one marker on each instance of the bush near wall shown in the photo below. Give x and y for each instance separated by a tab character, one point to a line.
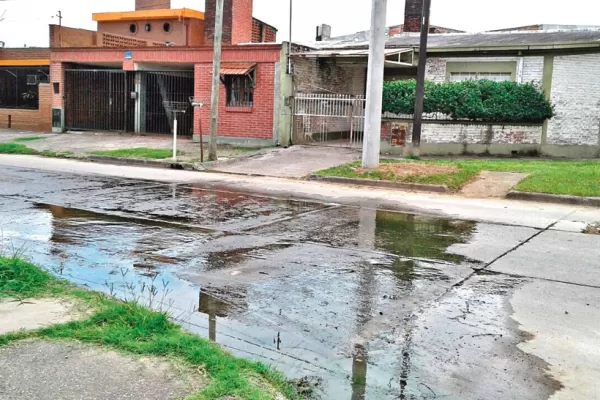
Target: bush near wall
485	101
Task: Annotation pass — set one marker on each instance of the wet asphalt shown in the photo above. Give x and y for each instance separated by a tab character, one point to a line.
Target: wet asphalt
361	303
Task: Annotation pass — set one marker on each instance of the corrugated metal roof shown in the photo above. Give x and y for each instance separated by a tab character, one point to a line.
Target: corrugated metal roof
236	68
347	53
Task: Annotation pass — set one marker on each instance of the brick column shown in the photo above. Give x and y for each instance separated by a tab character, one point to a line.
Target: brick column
57	77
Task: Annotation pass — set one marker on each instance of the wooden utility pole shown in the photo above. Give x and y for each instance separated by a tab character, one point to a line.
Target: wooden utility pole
418	117
214	99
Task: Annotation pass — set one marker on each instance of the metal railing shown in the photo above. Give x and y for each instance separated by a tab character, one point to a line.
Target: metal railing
329	119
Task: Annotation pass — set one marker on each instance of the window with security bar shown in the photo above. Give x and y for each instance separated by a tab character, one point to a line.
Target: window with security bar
19	87
240	90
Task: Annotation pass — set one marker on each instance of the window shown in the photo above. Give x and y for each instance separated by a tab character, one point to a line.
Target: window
167	27
147	27
133	28
19	87
240	90
477	76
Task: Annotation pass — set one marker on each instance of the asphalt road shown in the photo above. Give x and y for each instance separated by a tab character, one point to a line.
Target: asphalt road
375	294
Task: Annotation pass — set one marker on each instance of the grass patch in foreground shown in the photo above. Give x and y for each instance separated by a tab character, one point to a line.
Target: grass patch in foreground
134	329
30	139
16	148
575	178
142	152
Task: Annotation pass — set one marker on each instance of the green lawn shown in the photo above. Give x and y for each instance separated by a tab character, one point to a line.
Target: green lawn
15	148
134	329
154	154
576	178
30	138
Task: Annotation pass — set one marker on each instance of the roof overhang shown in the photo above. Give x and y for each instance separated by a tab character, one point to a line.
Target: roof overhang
24	63
393	57
148	15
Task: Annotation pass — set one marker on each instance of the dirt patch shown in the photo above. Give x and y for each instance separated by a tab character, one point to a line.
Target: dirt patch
17	315
409	169
593	229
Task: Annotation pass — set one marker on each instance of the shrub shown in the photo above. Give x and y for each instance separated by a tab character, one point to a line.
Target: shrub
485	101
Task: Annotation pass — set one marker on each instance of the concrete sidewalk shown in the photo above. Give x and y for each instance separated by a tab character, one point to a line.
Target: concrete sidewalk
82	144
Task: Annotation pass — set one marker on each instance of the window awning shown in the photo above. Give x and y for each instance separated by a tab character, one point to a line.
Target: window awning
236	68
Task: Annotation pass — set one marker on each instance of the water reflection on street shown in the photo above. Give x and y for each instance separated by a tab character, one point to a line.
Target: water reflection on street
318	291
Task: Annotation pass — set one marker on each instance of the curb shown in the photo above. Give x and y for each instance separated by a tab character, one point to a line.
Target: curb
142	163
381	184
554	198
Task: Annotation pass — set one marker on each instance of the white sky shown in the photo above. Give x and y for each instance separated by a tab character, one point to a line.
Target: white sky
26	20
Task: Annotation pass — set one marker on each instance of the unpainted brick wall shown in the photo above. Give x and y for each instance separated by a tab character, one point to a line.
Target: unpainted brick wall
39	120
263	33
246	123
576	96
63	36
237	21
144	5
26	53
328	76
471	133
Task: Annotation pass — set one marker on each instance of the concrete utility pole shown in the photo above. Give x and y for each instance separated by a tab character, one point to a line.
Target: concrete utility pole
372	139
418	117
214	99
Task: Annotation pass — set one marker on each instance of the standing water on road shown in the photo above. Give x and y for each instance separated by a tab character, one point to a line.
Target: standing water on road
324	293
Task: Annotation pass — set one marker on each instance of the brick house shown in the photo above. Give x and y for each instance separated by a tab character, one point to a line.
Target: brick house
138	67
564	62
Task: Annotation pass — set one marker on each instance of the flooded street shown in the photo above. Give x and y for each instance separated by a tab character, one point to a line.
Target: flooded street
364	303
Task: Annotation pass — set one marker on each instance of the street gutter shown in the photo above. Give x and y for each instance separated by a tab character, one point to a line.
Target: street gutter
554	198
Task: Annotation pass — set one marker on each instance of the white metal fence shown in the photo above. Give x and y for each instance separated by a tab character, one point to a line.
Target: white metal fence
329	119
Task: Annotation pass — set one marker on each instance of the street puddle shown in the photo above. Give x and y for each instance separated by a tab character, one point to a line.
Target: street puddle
318	296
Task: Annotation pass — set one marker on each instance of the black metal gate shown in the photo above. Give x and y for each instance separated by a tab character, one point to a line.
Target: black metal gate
160	88
99	100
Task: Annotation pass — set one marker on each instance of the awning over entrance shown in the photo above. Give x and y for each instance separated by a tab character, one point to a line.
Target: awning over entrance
236	68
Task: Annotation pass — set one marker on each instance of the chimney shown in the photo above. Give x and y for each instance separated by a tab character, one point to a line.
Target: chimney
413	13
323	33
237	21
144	5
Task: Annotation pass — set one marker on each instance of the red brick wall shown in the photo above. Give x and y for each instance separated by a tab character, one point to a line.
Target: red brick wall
143	5
241	31
263	33
413	11
253	123
254	54
237	21
63	36
32	120
209	21
57	75
195	32
28	53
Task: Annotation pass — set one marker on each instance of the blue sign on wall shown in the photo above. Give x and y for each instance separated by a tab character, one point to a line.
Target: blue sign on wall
128	55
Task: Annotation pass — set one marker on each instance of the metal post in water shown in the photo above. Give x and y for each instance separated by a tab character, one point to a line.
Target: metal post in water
175	137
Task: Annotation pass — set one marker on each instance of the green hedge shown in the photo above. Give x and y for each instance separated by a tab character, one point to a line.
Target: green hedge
485	101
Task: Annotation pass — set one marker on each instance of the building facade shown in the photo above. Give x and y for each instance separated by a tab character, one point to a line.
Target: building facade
140	70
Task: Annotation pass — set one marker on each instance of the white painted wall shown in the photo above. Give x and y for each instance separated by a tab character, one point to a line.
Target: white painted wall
576	96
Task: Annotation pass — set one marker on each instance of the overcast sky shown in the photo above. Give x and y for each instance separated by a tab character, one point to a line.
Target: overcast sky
25	21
